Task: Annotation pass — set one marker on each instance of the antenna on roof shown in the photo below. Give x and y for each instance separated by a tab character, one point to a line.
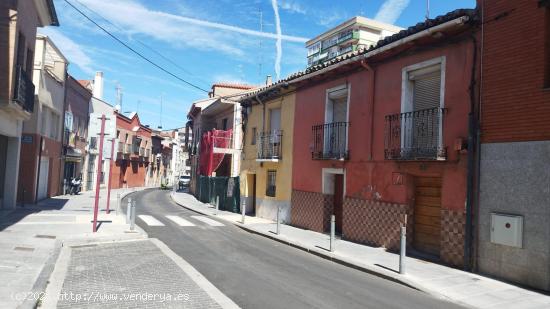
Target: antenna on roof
118	90
427	9
260	48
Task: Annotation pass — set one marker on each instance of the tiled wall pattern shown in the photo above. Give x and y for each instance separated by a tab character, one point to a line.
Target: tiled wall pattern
311	210
374	223
452	237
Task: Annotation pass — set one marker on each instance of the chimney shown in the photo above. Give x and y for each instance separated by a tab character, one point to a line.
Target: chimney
98	86
268	80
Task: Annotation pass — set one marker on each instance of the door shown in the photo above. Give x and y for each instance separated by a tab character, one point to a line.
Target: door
427	215
338	201
3	159
252	186
43	179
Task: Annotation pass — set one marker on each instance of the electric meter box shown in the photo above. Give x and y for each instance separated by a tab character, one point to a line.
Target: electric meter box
507	229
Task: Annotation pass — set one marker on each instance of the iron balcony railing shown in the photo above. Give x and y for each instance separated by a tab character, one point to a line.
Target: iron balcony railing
141	151
128	148
415	135
120	147
24	90
330	141
270	145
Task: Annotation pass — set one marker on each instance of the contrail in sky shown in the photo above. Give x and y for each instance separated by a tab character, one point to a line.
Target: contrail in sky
391	10
279	39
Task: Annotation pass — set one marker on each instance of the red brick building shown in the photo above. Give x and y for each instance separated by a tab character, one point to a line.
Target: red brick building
380	134
514	180
133	152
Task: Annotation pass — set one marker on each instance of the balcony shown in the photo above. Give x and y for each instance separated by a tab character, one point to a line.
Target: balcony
415	135
141	151
330	141
270	146
120	148
147	154
128	149
24	90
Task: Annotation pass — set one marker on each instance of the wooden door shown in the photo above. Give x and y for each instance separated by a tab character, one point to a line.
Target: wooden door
427	215
338	201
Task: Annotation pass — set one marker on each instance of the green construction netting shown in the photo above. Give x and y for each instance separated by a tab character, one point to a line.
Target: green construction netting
226	188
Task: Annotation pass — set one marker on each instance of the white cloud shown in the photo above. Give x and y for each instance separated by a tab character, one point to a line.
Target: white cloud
292	7
74	52
390	11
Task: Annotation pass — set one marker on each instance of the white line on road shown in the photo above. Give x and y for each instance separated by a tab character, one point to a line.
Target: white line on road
207	221
150	220
180	221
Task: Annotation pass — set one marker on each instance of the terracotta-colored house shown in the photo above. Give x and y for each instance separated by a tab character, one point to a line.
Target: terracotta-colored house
133	152
381	133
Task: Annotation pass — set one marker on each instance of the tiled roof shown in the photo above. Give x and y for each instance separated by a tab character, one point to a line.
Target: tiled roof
233	86
360	52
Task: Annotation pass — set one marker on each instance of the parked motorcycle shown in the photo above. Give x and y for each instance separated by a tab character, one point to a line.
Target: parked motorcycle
76	186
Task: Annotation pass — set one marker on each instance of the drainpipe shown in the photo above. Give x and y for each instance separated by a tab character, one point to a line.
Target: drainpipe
472	142
38	172
372	83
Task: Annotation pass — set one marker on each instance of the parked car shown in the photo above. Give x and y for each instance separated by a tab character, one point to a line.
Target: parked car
184	181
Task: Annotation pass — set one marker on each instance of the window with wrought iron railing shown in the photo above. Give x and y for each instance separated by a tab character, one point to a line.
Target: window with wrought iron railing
270	145
330	141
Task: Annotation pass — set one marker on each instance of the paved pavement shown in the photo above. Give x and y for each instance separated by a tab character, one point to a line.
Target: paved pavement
131	274
444	282
31	238
256	272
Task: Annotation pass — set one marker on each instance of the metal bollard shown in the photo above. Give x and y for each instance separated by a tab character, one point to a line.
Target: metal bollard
332	230
133	216
403	249
278	220
118	203
128	210
217	205
243	211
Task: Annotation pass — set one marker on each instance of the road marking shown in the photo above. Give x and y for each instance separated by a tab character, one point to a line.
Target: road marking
207	221
150	220
180	221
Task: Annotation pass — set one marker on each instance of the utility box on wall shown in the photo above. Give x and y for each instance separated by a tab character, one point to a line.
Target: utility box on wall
507	230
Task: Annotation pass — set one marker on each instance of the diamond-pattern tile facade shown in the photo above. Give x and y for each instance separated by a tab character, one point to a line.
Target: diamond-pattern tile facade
311	210
374	223
452	237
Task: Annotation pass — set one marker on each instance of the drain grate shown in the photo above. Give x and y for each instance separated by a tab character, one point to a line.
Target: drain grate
28	249
45	236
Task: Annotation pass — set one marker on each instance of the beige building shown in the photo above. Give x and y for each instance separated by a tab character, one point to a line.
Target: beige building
17	47
358	32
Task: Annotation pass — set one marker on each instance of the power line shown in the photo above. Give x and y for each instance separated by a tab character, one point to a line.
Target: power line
135	51
141	42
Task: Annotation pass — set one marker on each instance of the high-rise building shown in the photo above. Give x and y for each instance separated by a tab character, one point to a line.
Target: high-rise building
358	32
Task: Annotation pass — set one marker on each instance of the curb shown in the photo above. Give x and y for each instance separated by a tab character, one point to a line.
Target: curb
325	255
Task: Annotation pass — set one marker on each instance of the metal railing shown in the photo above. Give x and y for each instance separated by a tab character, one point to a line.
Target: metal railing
330	141
24	90
93	142
270	145
120	147
415	135
128	148
141	151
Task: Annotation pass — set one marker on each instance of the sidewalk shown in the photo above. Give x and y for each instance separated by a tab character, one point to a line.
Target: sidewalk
440	281
32	236
129	274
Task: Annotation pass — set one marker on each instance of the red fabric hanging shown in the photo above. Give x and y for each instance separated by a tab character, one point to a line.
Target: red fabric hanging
210	161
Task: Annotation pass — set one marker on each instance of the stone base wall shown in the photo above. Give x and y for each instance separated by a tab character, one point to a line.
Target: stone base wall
374	223
311	210
453	225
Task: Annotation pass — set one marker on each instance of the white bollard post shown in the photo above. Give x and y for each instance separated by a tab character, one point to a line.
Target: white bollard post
278	220
332	231
133	216
403	247
128	210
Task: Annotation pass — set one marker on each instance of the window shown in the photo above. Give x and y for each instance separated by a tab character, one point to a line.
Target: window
54	127
29	66
253	136
224	124
547	51
21	50
421	115
271	183
44	121
314	49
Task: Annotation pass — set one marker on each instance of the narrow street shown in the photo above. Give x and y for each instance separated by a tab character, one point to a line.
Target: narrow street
256	272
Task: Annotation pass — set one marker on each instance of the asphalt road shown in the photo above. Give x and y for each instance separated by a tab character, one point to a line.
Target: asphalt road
256	272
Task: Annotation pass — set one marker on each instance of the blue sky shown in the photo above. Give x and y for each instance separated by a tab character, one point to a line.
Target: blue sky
209	41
